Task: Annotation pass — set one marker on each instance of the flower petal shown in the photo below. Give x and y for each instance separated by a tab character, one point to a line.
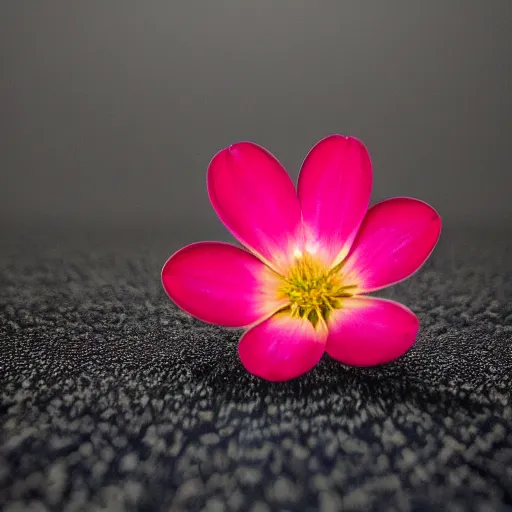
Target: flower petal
282	347
221	284
334	188
255	198
367	331
395	239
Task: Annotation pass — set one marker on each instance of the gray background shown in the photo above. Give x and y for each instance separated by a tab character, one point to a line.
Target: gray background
111	111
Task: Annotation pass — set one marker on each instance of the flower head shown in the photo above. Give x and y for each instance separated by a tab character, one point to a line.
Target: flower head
299	287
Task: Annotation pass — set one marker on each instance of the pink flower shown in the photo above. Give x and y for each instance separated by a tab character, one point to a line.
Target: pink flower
312	257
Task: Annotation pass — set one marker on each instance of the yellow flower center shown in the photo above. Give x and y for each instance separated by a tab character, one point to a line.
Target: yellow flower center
314	290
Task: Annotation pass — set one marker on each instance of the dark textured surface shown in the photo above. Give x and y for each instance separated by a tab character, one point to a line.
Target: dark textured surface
111	399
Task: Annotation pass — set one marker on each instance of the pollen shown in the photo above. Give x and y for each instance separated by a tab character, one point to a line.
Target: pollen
313	290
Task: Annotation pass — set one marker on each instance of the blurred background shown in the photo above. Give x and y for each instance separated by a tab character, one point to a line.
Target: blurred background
111	111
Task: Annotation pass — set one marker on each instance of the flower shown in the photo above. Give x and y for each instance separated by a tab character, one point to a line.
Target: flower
311	256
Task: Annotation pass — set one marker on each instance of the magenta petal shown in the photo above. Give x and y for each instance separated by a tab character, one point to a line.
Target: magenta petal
221	284
256	200
282	347
334	188
395	239
368	331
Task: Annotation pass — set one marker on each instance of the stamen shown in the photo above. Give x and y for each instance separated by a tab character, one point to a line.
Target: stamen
314	291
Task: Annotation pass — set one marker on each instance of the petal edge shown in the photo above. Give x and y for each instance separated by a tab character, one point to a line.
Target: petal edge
221	284
396	237
334	188
369	331
282	347
255	199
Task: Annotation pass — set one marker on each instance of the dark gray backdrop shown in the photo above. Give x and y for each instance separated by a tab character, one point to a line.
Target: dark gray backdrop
111	111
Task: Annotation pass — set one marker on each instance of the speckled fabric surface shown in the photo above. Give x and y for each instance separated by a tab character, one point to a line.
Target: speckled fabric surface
112	399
